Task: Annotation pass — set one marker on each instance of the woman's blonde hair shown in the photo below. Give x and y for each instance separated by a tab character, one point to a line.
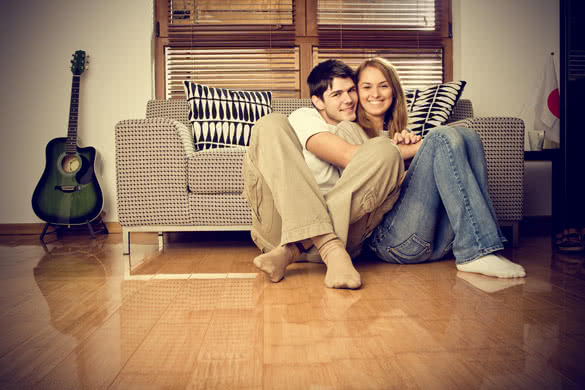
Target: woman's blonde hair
396	118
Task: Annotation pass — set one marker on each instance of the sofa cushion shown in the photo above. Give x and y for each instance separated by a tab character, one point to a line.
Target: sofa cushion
223	117
216	171
430	107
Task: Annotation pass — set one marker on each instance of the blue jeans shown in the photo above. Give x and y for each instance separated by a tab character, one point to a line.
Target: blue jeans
443	206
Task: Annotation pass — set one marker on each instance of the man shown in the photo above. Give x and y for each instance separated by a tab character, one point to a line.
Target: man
320	182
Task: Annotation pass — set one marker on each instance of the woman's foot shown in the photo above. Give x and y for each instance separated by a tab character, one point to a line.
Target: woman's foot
487	284
493	265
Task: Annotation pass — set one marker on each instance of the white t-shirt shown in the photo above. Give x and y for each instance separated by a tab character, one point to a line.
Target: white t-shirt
307	122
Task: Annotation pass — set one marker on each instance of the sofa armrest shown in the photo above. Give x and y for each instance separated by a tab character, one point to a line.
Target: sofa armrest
503	140
151	172
217	171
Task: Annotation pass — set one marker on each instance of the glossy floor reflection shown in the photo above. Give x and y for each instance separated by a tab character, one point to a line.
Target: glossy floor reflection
76	314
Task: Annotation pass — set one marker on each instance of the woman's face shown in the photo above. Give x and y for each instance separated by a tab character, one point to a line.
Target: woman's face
374	91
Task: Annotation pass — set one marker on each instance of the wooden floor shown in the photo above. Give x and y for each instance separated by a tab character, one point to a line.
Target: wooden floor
76	314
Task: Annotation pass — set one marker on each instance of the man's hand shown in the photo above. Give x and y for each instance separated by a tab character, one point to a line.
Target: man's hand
406	137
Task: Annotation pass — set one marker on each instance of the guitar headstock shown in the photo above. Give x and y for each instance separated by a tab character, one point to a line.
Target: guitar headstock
78	63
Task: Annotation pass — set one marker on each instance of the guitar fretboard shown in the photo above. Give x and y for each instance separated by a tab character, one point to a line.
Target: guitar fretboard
71	145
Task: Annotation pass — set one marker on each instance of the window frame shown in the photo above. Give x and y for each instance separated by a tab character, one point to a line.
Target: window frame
305	35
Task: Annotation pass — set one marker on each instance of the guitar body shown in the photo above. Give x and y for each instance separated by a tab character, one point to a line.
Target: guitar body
68	192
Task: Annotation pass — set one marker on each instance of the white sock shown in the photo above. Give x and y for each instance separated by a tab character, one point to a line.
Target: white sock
493	265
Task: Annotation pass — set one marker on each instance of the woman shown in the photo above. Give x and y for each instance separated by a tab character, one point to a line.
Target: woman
444	203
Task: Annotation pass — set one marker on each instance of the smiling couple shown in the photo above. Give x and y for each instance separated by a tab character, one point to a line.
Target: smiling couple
328	182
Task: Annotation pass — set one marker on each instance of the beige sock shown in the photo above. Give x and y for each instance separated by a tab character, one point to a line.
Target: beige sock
340	270
274	263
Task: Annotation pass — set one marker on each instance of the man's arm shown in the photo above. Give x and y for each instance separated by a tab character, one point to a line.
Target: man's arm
317	138
332	148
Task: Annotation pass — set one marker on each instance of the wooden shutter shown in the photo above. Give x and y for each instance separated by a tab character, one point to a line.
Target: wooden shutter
274	69
418	68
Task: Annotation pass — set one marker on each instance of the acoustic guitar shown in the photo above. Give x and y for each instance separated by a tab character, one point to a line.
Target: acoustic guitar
68	192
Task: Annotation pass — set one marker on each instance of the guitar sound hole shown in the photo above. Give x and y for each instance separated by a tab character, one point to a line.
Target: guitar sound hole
71	164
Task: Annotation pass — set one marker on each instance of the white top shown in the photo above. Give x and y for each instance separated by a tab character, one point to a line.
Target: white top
307	122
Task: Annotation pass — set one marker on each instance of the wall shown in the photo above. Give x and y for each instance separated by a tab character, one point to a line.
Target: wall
37	40
500	48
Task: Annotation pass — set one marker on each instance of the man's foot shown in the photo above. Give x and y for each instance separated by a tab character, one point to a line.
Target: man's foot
493	265
311	255
274	263
340	270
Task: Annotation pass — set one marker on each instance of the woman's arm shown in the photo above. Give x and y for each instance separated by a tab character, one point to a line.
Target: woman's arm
408	151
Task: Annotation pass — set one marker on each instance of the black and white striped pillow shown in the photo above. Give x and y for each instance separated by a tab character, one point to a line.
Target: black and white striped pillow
430	107
224	117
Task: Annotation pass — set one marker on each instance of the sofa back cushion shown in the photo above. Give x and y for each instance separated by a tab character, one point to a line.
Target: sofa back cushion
288	105
176	109
224	117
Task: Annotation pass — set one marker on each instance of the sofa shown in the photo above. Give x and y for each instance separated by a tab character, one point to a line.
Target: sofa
165	185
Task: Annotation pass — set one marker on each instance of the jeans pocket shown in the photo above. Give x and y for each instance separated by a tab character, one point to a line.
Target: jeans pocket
413	250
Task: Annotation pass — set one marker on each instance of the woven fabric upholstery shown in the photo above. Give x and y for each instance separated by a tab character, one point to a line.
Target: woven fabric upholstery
177	109
463	110
217	171
503	140
220	210
151	173
287	105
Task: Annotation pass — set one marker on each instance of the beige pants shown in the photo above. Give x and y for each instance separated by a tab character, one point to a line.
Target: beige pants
287	204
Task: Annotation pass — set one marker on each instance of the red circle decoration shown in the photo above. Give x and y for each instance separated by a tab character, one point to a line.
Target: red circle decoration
554	103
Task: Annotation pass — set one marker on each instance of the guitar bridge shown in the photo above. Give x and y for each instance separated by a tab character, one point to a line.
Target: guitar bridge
67	189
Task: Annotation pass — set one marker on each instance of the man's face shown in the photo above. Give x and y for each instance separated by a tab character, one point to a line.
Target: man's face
339	101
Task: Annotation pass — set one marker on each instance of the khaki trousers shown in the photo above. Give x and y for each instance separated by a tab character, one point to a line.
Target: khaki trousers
287	204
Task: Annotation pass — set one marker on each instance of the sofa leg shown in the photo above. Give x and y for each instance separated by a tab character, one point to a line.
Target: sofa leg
515	234
161	241
125	241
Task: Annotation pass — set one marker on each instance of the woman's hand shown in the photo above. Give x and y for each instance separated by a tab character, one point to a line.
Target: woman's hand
408	143
406	137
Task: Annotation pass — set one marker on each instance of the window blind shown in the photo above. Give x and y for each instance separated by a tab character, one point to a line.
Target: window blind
379	14
231	11
234	23
417	68
274	69
374	23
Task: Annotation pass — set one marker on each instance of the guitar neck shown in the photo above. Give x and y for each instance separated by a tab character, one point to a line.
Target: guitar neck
71	145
